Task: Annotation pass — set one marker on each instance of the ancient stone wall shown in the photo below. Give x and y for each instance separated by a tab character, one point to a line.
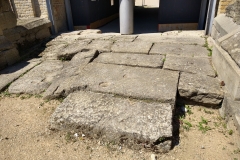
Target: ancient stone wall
222	5
233	11
30	8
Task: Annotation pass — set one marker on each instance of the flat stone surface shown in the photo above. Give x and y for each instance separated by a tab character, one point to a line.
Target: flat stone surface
141	83
52	52
10	74
132	47
136	60
70	50
200	88
38	79
197	65
184	50
101	45
182	39
128	38
114	119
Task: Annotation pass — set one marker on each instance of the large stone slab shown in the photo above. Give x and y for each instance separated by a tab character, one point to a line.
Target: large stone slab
136	60
196	65
5	44
101	45
182	39
200	88
132	47
52	51
141	83
184	50
124	38
10	74
38	79
137	124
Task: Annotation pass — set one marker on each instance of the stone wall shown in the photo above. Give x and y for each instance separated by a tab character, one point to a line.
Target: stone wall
233	11
222	5
30	8
8	52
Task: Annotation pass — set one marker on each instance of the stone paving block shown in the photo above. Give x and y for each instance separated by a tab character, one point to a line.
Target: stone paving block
141	83
184	50
51	52
10	74
132	47
101	45
115	119
136	60
70	50
200	88
124	38
96	36
158	37
38	79
197	65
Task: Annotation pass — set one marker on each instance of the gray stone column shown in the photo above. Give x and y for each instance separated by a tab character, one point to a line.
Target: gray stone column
126	8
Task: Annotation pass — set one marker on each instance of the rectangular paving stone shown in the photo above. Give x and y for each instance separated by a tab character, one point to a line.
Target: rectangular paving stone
38	79
115	119
101	45
196	65
158	37
137	60
132	47
184	50
12	73
128	38
141	83
200	88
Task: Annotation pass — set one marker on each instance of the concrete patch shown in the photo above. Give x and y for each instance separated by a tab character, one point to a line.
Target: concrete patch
115	119
12	73
132	47
196	65
200	88
38	79
136	60
179	50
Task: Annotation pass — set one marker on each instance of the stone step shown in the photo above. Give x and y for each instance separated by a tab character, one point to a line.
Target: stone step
137	124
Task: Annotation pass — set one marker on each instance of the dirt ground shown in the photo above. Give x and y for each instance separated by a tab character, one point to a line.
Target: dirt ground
24	134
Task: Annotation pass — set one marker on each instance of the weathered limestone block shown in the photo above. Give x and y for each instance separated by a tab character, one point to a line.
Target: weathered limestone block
8	20
200	88
101	45
139	47
232	46
184	50
43	33
11	56
233	11
136	60
38	79
196	65
11	73
3	62
118	120
5	44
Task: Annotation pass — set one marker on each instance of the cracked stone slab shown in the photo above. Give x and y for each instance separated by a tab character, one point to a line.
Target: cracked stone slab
70	50
136	60
12	73
200	88
101	45
184	50
196	65
115	119
141	83
51	52
38	79
128	38
158	37
96	36
140	47
65	78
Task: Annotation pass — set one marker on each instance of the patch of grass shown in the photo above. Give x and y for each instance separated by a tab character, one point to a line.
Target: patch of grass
186	125
230	132
236	151
38	96
189	110
6	94
70	138
203	125
208	48
208	112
